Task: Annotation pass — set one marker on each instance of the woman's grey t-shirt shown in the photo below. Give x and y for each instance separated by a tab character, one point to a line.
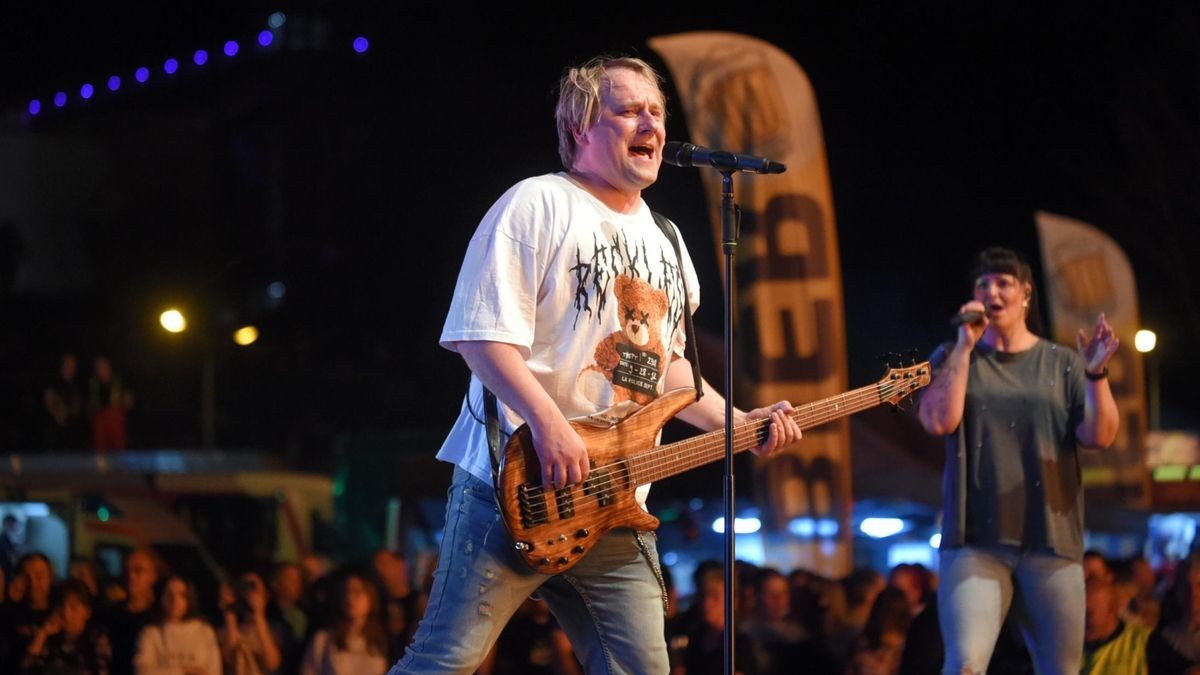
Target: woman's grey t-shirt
1012	465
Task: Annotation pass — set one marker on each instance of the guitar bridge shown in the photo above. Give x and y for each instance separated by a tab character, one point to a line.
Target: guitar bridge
532	503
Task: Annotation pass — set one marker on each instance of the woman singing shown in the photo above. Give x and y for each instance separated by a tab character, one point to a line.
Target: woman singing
1014	409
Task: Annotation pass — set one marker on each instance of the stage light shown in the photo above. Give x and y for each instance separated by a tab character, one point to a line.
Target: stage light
114	83
276	20
86	91
827	527
200	57
173	321
276	290
35	107
170	66
1145	340
245	336
740	525
879	528
936	540
265	38
141	74
231	48
60	99
803	527
670	558
361	44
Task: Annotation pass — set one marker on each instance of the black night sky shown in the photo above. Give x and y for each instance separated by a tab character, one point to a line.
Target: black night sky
356	180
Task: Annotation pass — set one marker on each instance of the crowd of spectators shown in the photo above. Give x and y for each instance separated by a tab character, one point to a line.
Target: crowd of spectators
297	617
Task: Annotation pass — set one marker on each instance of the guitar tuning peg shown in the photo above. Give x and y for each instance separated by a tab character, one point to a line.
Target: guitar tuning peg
912	357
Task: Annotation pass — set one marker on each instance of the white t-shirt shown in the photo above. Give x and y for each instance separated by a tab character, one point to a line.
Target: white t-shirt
593	299
170	648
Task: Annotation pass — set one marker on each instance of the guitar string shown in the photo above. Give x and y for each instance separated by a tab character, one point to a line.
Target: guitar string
687	448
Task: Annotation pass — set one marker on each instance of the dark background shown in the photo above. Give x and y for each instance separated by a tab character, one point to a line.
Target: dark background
356	180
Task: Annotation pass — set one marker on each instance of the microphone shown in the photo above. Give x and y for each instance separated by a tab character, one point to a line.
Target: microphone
967	317
686	155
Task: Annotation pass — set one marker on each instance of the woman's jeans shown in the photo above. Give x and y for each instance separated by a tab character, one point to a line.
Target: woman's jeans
975	590
610	604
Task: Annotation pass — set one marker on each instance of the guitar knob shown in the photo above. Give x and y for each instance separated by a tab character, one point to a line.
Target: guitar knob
544	561
562	537
563	560
577	550
523	546
582	533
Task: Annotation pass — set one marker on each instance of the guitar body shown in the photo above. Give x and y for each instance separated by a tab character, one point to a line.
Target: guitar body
553	530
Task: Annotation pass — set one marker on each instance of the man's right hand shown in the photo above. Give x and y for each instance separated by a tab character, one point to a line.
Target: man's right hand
561	453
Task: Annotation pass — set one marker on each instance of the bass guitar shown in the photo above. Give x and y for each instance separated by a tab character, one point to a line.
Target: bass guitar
553	529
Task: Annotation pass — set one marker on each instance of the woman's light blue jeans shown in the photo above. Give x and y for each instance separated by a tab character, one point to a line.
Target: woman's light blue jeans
610	604
975	590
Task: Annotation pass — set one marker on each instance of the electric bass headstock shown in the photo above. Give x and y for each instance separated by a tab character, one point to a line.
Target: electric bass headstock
900	381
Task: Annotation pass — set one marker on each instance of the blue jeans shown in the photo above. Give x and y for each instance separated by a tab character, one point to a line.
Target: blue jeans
610	604
975	591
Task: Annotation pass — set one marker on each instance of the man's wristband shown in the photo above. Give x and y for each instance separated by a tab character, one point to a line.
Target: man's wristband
1096	376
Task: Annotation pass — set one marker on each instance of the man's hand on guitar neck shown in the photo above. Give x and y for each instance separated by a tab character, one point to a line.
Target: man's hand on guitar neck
560	450
781	432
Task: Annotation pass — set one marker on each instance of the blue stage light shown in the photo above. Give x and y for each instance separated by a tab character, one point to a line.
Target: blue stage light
60	99
86	91
114	83
35	107
361	45
276	19
265	38
141	74
231	48
170	66
200	57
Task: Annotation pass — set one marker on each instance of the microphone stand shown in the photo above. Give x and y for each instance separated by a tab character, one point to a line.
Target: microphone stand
730	226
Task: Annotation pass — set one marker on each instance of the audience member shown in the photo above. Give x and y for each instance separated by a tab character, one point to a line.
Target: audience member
354	643
32	603
705	653
777	641
532	644
124	620
12	544
881	644
85	571
915	581
250	644
400	600
1144	607
862	586
65	425
1174	646
178	641
1111	646
287	598
67	642
109	400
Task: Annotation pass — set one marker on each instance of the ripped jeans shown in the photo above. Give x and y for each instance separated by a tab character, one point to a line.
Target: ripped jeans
610	604
976	588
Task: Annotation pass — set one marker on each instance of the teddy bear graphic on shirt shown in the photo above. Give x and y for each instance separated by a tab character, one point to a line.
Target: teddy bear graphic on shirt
629	362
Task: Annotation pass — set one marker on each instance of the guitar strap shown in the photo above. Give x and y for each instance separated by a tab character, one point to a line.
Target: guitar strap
491	410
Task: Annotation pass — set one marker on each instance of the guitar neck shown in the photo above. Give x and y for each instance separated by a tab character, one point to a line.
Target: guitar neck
668	460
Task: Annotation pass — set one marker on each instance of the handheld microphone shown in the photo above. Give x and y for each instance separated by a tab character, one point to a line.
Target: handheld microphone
687	155
967	317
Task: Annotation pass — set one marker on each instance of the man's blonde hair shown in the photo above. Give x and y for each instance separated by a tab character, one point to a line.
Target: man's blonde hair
580	92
